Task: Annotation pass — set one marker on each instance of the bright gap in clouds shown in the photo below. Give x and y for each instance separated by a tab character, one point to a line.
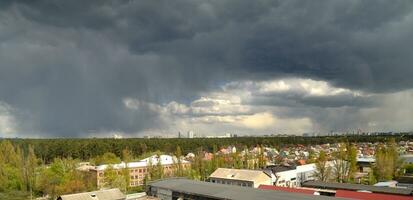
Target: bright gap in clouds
7	121
287	106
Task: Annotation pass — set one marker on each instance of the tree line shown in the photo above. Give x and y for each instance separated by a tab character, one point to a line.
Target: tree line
48	166
84	149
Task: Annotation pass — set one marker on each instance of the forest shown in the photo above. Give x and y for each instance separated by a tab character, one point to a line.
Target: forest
47	167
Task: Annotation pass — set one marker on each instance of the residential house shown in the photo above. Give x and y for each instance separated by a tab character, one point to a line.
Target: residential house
240	177
292	176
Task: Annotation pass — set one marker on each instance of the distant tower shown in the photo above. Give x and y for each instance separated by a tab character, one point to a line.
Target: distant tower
179	134
190	134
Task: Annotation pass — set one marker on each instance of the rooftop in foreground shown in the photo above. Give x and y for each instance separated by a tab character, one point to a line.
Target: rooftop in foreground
219	191
238	174
357	187
111	194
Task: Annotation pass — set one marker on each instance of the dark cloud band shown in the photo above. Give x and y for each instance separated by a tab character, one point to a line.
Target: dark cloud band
67	66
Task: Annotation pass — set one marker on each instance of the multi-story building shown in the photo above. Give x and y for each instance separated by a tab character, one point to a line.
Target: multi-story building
191	134
138	170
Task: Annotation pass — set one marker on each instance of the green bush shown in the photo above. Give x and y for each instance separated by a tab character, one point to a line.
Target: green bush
409	168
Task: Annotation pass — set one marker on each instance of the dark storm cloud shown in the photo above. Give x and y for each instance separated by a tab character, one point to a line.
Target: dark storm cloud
66	66
300	100
343	42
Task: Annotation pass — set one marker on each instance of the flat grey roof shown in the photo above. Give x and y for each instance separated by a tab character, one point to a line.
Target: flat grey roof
355	187
221	191
111	194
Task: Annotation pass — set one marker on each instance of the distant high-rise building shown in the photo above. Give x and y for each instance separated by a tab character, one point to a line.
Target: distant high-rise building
190	134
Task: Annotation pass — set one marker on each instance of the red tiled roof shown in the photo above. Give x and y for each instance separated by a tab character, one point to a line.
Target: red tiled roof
286	189
370	196
301	162
342	193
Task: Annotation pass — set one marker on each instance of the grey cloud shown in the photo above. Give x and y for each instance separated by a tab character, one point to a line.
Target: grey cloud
294	99
334	45
325	102
66	66
340	42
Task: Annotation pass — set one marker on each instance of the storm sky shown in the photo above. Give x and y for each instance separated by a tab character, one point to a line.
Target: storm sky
155	67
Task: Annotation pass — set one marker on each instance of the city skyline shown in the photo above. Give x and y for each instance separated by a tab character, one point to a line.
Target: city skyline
148	68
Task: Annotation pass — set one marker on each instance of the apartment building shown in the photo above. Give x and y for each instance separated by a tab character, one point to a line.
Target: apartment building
138	170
